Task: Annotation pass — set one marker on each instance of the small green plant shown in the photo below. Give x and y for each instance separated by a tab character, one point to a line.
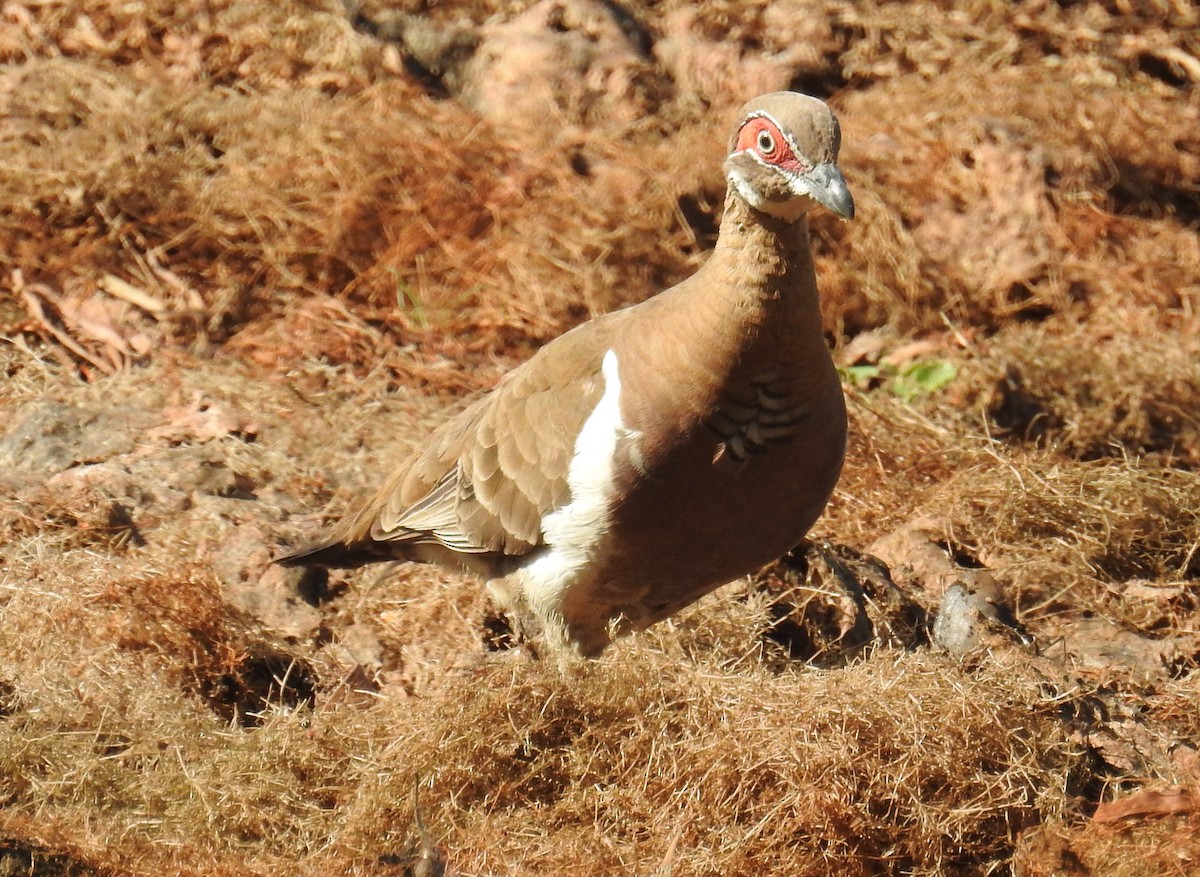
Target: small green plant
427	314
408	302
918	378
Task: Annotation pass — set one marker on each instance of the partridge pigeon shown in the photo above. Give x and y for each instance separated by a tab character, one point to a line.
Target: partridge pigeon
647	457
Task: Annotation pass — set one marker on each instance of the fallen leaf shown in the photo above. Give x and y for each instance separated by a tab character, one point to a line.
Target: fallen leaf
1148	802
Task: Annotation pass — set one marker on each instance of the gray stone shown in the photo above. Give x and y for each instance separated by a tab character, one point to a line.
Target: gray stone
50	437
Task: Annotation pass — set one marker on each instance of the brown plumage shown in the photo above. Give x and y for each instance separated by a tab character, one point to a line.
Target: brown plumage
647	457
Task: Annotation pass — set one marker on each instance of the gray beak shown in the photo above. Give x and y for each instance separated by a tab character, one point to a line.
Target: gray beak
826	185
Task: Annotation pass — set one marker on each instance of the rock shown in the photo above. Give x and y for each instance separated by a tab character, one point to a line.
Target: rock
916	555
201	469
557	59
723	70
280	598
1103	647
993	230
974	616
973	612
51	437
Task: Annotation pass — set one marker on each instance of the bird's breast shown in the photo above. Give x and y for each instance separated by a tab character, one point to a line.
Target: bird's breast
737	486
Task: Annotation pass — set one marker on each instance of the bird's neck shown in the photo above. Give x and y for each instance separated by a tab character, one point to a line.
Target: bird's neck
763	268
748	318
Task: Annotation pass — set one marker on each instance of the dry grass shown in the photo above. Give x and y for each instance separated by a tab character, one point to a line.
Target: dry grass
252	257
736	768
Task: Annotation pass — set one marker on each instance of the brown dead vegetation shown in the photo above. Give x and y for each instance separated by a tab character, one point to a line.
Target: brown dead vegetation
249	253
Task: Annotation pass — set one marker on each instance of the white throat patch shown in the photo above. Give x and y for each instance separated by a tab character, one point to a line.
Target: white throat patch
788	211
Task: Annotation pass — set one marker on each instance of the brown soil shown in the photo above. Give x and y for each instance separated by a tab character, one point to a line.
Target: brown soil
251	252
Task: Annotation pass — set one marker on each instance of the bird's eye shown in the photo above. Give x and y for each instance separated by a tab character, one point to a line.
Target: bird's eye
766	143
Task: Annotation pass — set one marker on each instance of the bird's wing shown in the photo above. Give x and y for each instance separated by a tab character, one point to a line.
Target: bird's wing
485	480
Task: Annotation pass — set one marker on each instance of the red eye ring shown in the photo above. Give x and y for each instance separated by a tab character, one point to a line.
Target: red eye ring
761	137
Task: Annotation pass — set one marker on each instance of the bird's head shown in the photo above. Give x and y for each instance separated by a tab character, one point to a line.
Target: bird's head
782	159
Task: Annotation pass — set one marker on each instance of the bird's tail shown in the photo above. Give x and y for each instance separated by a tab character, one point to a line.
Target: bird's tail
336	555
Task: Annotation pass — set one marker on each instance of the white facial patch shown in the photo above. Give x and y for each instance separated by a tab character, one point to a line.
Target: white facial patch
789	210
748	192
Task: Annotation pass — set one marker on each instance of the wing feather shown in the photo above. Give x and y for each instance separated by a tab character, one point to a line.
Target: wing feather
487	478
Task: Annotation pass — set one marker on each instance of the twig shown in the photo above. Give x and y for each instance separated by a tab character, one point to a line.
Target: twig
126	291
39	315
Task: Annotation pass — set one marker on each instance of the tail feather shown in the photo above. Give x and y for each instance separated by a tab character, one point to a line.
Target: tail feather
337	555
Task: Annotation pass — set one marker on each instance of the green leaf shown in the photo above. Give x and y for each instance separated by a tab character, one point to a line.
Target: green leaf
923	377
860	375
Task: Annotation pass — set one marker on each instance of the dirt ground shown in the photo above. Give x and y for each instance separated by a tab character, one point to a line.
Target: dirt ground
251	252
